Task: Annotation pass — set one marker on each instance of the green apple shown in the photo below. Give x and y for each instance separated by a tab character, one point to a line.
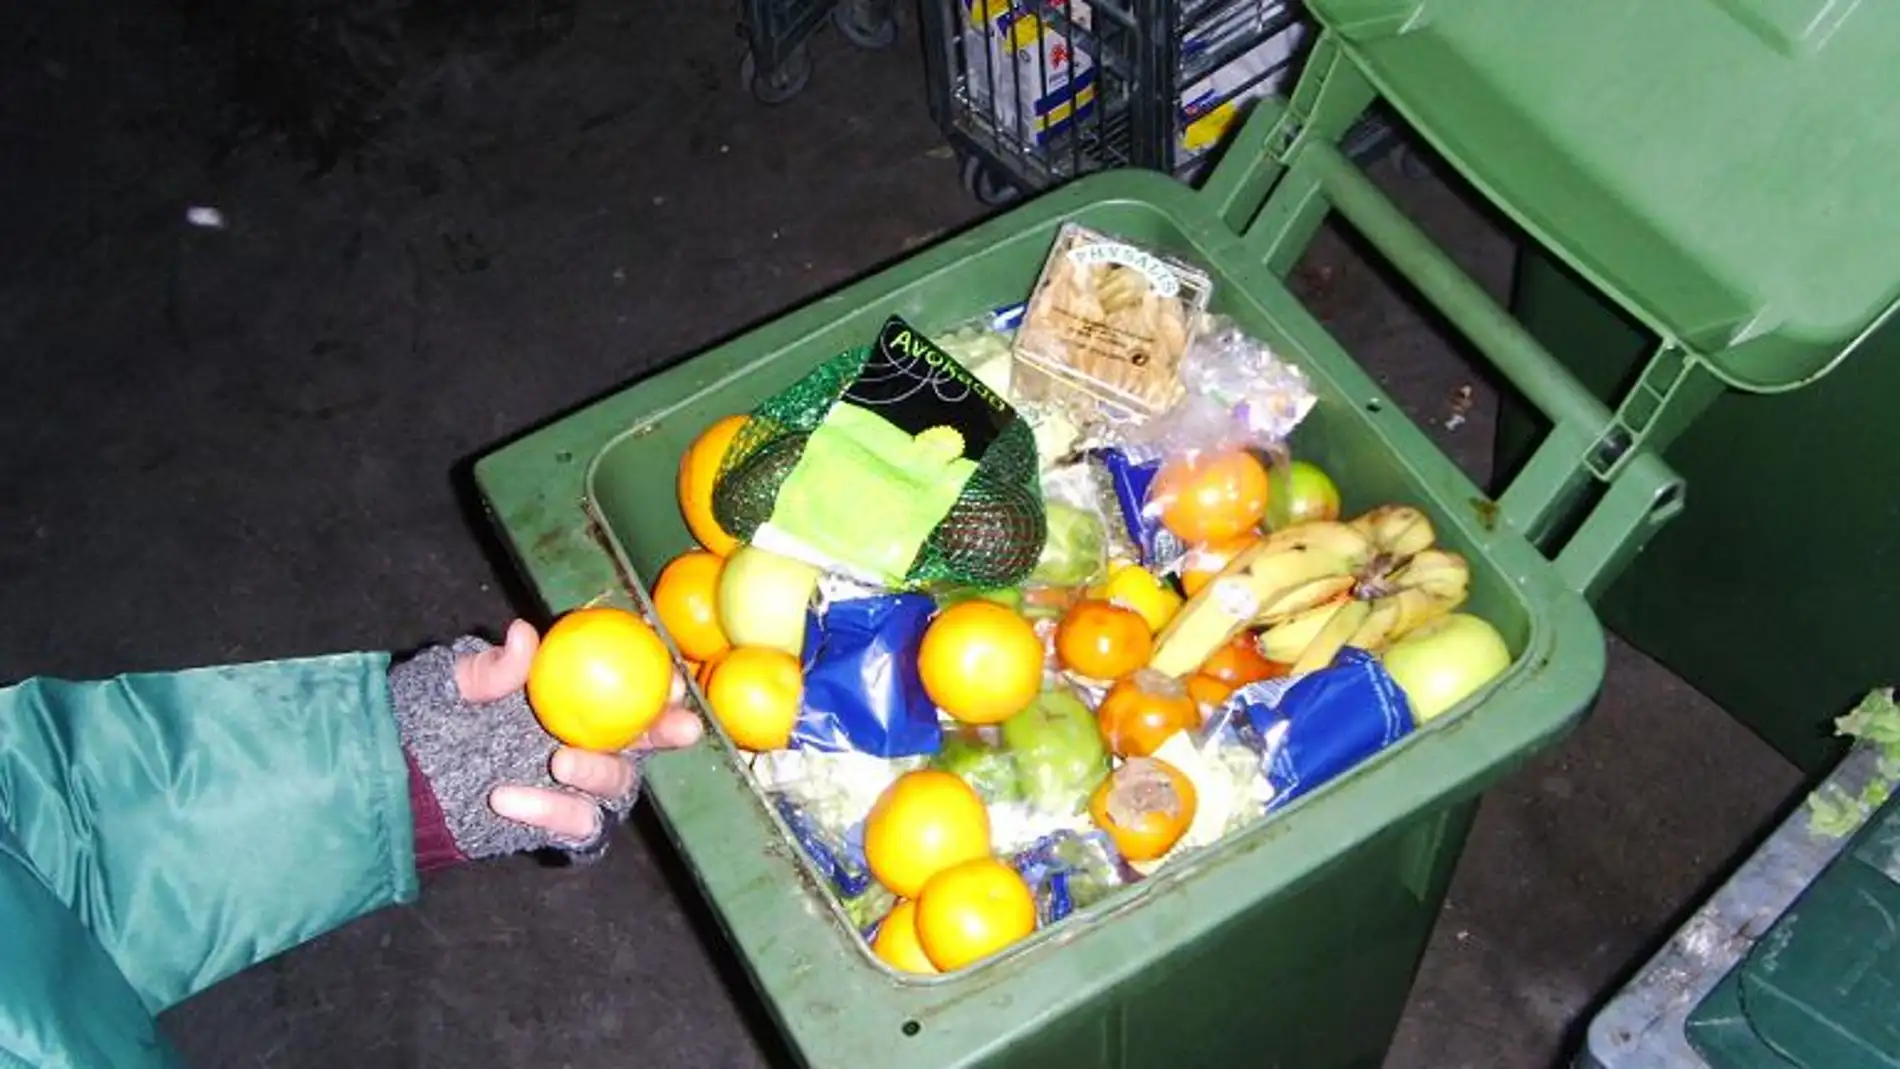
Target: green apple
1444	661
1299	492
763	597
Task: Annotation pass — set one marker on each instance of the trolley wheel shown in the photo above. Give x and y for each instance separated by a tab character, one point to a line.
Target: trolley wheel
781	85
866	23
986	185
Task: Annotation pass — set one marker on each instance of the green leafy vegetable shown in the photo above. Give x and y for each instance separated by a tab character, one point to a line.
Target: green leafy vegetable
1834	813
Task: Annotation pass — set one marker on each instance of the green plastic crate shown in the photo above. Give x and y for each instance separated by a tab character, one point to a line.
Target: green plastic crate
1711	193
1294	944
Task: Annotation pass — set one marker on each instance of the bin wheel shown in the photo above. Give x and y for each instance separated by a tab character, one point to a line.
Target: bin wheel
986	185
781	85
866	23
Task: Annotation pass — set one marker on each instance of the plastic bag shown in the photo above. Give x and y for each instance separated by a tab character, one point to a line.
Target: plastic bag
949	464
833	853
977	756
834	789
1207	460
1080	537
1070	870
1236	394
1059	753
862	689
1313	728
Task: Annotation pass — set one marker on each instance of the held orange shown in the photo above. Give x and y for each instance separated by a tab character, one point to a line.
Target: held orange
923	823
754	693
686	599
980	662
896	943
600	679
970	911
699	468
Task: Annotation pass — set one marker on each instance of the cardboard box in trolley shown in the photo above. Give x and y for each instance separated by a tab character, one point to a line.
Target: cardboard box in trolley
1025	73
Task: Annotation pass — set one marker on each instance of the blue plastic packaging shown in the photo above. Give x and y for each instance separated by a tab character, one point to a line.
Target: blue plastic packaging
1131	480
1313	728
862	690
837	857
1068	870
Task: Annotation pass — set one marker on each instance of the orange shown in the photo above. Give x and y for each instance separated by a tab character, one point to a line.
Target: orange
600	678
1138	589
1240	662
897	944
1146	806
980	662
1102	640
703	674
685	598
923	823
1203	563
754	693
972	910
1211	497
1208	691
1143	711
699	469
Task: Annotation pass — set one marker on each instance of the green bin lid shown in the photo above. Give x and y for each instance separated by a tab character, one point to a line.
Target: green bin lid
1821	989
1726	170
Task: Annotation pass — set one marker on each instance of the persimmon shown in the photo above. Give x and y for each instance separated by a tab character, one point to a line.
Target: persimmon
1143	711
1145	806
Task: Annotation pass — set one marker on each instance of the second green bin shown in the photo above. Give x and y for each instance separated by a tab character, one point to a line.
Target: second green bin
1711	184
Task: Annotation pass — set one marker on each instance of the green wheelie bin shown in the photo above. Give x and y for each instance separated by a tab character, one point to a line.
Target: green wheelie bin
1292	942
1725	188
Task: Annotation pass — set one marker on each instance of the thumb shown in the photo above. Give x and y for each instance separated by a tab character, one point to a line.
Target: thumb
501	670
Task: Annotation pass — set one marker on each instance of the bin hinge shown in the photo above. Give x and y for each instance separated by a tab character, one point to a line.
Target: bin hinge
1672	390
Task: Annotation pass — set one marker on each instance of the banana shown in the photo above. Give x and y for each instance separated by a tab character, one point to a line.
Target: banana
1431	584
1332	637
1396	532
1380	627
1348	543
1319	586
1276	576
1305	596
1284	642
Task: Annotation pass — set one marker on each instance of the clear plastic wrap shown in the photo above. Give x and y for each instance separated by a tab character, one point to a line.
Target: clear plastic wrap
1202	470
1070	870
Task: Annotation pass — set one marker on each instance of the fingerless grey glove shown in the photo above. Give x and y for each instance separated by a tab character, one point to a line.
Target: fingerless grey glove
463	751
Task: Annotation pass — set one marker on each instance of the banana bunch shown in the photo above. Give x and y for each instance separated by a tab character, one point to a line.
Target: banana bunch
1318	587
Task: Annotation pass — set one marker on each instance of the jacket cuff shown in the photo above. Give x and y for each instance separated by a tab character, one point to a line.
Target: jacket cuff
435	846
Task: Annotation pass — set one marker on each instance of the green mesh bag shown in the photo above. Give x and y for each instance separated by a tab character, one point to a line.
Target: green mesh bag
893	463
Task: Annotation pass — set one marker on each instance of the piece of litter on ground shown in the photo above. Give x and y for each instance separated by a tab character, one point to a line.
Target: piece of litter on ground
209	218
941	152
1461	401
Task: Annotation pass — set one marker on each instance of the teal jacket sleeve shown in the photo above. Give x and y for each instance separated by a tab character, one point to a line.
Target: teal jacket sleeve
199	822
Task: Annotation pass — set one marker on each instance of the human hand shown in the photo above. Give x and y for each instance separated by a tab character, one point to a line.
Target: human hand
491	781
607	780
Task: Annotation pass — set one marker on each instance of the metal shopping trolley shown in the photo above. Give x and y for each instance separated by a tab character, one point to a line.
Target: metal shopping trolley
1033	93
777	64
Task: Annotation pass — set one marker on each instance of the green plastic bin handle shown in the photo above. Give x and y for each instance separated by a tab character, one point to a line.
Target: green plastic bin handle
1589	447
